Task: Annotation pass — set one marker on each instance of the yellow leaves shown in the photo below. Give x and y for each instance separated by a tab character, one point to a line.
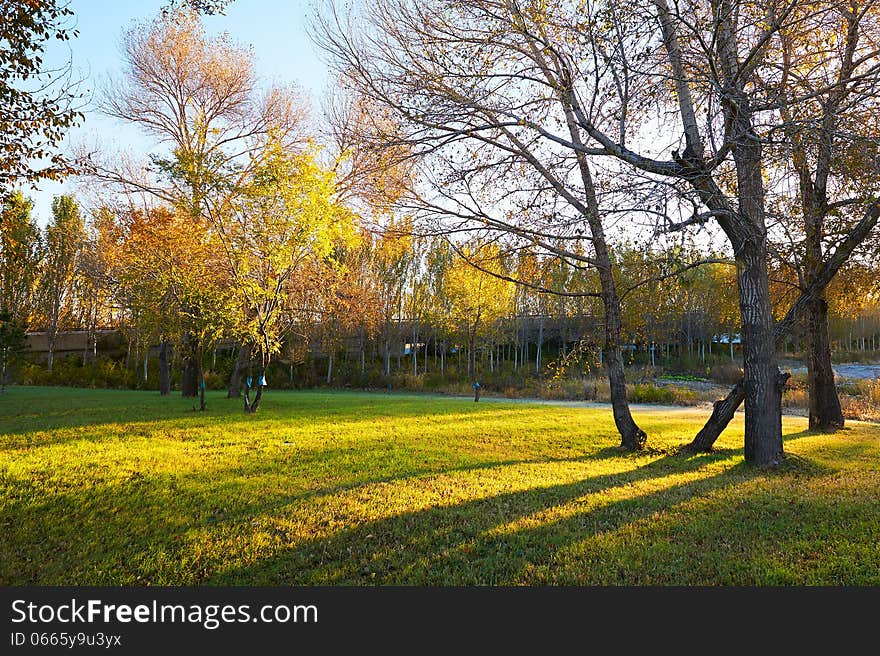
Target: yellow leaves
474	293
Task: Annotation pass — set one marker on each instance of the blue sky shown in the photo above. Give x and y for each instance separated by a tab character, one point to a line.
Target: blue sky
275	29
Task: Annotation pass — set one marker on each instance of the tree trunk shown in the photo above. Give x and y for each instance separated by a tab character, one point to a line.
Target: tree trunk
189	385
631	436
201	377
763	396
329	369
164	369
825	411
258	397
242	360
725	408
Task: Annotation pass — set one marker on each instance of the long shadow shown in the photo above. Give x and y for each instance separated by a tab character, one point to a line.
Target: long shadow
97	526
768	538
95	535
445	545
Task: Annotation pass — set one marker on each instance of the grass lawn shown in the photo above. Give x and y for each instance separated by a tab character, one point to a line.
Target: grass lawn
105	487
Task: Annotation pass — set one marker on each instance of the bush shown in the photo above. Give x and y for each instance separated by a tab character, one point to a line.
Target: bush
727	373
70	371
215	380
649	393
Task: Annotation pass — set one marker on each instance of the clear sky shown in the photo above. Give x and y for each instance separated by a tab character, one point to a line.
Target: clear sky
275	29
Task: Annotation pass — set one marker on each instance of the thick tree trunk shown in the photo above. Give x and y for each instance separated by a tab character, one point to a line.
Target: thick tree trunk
724	409
164	369
825	411
242	361
763	396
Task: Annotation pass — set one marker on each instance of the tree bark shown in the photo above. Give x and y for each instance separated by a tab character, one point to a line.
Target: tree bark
164	369
825	411
763	396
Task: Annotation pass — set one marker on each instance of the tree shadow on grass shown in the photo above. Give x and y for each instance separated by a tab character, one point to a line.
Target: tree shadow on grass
784	535
143	529
98	532
459	544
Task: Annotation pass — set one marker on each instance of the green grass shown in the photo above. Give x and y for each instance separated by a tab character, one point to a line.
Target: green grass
127	488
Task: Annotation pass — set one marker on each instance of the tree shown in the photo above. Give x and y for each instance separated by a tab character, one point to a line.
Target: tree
13	342
171	277
828	119
199	97
64	241
477	97
20	257
36	104
285	217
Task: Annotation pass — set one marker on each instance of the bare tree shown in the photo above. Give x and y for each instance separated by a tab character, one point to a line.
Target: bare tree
829	146
478	95
564	91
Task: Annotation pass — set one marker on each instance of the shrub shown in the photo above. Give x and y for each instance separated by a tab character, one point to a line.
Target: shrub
649	393
795	398
727	373
70	371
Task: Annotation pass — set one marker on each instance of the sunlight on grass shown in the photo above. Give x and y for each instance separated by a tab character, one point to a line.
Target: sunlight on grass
356	488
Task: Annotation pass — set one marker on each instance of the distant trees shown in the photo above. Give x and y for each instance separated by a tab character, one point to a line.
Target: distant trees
476	300
64	241
12	343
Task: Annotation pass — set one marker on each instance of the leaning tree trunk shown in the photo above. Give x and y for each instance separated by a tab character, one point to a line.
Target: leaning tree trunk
242	360
164	369
825	411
